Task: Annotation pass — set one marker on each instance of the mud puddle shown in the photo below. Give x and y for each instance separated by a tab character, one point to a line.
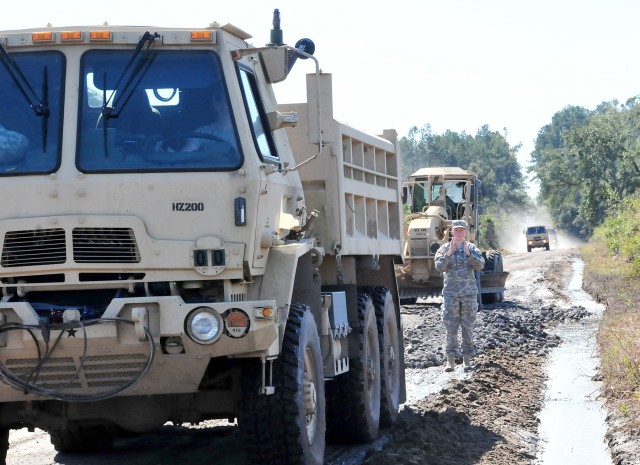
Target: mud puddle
572	421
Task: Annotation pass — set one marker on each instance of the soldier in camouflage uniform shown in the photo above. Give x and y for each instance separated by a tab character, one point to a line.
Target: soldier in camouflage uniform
13	146
457	260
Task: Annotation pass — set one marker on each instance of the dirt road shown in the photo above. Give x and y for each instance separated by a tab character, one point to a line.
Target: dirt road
488	416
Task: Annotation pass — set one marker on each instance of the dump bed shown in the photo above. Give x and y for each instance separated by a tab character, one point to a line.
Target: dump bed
353	183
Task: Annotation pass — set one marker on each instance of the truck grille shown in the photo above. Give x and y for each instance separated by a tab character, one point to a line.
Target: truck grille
33	248
98	372
105	245
48	246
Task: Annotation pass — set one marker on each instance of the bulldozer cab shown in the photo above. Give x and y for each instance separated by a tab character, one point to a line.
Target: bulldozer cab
450	194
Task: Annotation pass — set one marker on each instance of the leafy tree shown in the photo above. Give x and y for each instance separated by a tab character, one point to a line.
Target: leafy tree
489	238
556	169
586	163
415	150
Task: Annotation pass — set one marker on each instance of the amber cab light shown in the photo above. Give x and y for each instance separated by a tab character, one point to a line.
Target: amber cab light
198	36
71	36
42	36
100	35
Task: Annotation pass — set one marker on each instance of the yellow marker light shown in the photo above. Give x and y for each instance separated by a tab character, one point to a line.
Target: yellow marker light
264	312
201	36
71	36
100	35
42	37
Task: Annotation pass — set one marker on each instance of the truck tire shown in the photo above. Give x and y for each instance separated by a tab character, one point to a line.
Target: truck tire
528	248
77	438
289	425
388	337
353	409
492	264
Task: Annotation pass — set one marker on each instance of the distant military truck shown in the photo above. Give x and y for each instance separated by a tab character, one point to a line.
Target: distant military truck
537	237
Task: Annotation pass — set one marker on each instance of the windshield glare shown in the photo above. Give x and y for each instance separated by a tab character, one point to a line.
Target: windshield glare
174	116
30	143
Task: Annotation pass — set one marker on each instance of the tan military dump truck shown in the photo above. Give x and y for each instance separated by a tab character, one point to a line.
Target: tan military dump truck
177	247
437	196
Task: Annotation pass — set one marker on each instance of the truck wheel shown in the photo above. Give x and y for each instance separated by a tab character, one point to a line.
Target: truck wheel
354	397
289	425
547	246
389	355
528	248
79	438
492	264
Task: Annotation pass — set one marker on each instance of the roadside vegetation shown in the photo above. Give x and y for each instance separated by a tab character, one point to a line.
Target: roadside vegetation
612	276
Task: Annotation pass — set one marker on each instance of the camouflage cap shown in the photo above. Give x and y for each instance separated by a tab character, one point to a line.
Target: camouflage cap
459	224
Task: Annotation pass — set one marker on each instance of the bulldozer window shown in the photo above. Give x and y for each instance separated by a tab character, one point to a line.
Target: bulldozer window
419	195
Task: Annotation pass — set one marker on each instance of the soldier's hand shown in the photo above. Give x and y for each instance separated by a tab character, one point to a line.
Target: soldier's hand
452	248
466	248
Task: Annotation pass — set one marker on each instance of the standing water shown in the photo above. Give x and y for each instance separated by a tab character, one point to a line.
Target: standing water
572	421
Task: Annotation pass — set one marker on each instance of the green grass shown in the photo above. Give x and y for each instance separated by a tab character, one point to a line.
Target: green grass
612	277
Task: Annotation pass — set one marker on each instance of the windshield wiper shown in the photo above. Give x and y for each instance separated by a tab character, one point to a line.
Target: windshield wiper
40	105
131	76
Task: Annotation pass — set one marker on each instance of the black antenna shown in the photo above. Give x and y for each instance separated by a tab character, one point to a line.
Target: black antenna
276	32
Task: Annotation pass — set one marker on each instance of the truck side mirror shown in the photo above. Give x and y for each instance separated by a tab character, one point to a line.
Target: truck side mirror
404	194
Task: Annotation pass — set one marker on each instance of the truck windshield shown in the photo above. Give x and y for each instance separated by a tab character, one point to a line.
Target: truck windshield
29	140
536	230
177	117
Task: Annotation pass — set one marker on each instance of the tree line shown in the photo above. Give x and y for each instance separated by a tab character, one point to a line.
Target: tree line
586	163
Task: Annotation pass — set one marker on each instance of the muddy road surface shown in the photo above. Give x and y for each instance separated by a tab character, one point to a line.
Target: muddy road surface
486	416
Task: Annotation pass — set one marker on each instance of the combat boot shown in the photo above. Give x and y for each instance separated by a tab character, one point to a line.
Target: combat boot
466	361
451	363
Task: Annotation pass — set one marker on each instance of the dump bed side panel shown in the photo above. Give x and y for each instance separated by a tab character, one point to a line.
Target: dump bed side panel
353	183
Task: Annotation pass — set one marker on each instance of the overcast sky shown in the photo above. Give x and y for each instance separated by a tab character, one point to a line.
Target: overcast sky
453	64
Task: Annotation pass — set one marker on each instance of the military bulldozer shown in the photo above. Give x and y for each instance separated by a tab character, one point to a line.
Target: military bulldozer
436	197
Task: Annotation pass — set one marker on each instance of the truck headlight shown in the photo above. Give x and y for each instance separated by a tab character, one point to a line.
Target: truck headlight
204	325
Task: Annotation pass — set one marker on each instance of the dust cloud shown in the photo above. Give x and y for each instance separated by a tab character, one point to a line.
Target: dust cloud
512	238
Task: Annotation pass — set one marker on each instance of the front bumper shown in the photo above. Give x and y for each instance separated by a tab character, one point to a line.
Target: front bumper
141	344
